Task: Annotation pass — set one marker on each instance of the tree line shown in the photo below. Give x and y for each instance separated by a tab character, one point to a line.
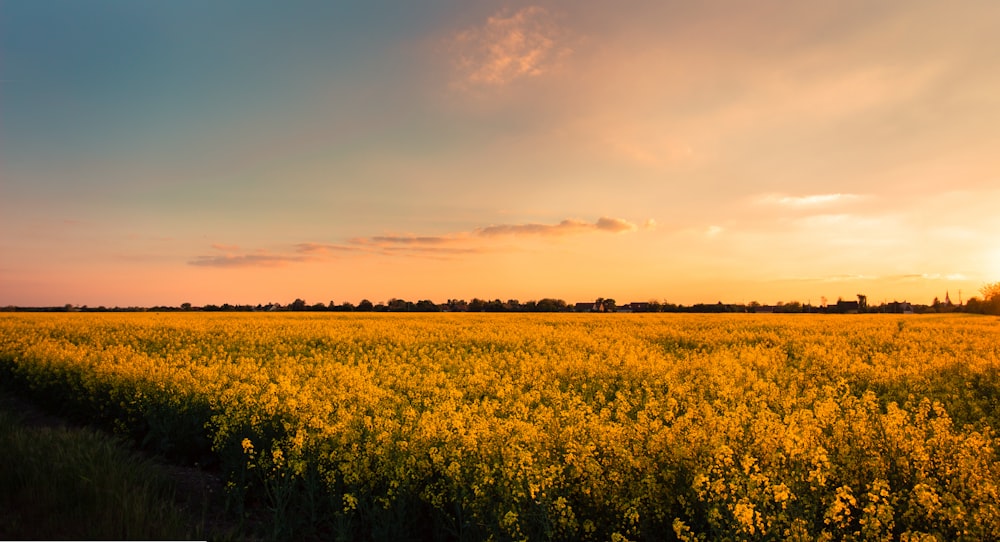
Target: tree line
989	303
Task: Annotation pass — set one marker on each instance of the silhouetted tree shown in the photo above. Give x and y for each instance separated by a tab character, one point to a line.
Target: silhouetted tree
550	305
399	305
991	298
365	306
297	305
426	305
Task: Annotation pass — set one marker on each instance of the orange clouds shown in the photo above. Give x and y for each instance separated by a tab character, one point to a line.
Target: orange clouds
614	225
507	47
454	244
232	258
812	200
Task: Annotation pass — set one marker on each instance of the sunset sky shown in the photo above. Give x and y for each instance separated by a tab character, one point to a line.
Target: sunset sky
160	152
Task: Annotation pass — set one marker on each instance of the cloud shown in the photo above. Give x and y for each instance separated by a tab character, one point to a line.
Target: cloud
809	201
463	243
568	226
246	260
507	47
415	245
615	225
939	276
411	239
323	248
433	246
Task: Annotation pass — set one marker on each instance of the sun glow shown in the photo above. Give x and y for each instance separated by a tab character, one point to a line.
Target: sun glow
993	264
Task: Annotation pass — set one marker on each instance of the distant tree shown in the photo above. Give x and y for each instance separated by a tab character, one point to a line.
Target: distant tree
298	305
365	306
608	305
426	305
792	307
550	305
991	298
185	306
318	306
477	305
399	305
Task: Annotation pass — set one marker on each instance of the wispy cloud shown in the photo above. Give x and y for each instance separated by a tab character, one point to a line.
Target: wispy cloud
507	47
411	239
430	246
246	260
568	226
233	257
323	248
808	201
442	246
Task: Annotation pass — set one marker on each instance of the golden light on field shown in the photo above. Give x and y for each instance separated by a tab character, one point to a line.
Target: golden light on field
559	426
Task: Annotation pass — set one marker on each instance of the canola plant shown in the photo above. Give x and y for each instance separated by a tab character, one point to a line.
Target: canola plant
550	427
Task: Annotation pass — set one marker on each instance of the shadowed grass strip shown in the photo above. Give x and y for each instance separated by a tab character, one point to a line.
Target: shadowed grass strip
72	483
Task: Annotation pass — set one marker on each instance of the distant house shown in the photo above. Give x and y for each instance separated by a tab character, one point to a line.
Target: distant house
846	307
764	309
636	306
585	307
899	307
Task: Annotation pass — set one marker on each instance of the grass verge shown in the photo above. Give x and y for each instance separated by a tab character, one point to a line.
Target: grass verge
76	483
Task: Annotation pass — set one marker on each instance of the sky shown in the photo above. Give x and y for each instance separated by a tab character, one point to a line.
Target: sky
245	152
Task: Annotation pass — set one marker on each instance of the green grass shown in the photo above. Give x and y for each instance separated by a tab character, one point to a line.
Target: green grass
77	483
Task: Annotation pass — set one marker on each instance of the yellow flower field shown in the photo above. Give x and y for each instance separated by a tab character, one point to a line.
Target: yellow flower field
558	426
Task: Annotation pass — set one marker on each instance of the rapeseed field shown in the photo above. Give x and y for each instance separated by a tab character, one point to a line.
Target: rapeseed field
549	426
